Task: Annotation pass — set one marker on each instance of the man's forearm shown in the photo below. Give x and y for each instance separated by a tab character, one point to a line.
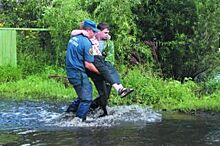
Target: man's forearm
91	67
79	31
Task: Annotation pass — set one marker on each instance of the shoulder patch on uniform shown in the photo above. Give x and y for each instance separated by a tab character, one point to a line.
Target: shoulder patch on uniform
90	51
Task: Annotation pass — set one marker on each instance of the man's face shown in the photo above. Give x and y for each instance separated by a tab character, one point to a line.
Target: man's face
105	34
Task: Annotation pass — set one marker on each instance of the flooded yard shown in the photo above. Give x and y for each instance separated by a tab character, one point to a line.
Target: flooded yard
43	123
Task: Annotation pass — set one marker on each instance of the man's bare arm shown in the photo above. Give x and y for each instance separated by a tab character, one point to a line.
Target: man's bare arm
79	31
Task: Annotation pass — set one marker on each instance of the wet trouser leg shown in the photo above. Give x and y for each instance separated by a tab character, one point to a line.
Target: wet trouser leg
103	89
84	93
107	70
102	99
73	106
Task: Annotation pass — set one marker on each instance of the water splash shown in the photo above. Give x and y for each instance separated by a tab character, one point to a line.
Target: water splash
117	115
41	115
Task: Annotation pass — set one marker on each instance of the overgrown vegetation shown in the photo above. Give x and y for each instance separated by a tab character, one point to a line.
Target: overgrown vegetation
187	34
177	43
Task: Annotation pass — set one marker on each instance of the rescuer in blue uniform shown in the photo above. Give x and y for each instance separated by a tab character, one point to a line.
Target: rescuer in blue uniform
79	57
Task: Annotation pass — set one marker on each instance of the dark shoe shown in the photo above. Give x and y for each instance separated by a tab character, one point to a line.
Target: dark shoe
84	119
124	92
94	106
71	109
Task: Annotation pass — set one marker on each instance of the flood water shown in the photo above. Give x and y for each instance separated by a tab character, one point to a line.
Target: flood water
43	123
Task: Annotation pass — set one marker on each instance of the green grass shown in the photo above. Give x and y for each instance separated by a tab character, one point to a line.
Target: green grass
149	90
35	88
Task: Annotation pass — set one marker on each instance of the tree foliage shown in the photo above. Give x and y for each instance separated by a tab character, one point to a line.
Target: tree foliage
187	31
187	34
25	13
61	17
164	18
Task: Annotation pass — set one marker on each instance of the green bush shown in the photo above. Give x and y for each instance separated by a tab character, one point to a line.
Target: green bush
151	90
30	44
30	65
9	74
25	13
187	32
211	86
210	83
35	44
31	55
62	17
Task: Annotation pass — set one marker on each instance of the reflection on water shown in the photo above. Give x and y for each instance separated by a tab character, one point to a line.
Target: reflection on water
41	123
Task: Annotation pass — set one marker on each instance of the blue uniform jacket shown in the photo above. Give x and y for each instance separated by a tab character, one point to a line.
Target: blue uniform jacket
79	49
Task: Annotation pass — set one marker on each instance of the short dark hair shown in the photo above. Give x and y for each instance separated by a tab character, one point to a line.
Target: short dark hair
101	26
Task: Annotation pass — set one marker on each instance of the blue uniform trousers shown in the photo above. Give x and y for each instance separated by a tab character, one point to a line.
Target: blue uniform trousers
83	89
